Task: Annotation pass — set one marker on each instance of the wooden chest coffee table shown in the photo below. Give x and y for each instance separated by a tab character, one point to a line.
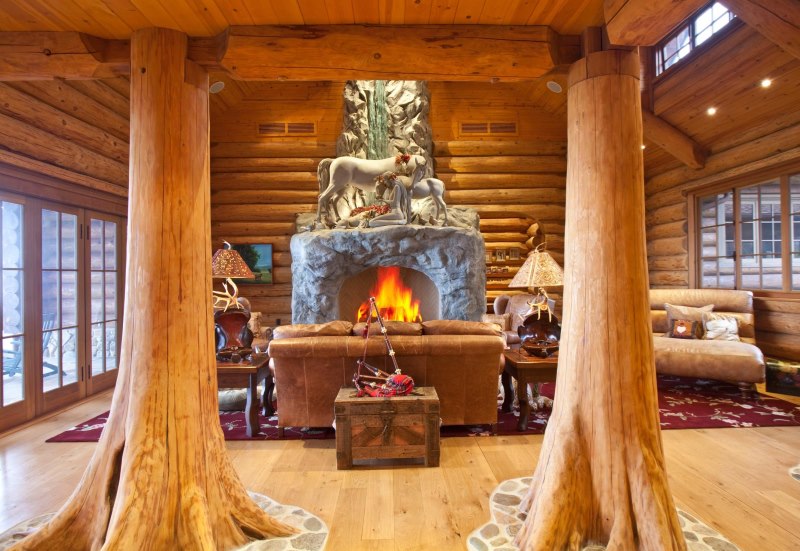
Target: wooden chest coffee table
387	428
525	369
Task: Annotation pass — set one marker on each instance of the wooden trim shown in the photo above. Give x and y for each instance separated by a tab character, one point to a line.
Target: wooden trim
692	241
30	183
712	42
740	180
786	233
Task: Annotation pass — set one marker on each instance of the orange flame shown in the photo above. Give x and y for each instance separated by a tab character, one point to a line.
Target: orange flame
392	297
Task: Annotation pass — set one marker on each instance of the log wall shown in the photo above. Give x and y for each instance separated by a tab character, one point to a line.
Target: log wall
777	319
258	184
75	132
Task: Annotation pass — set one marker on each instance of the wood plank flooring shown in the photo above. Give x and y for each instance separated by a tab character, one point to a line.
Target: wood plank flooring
733	479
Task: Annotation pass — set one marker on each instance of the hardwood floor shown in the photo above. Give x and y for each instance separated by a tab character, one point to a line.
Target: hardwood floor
733	479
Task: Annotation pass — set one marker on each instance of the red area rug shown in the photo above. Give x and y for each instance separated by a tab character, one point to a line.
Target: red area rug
683	404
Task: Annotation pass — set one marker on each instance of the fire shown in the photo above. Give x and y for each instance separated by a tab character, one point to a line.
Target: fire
393	298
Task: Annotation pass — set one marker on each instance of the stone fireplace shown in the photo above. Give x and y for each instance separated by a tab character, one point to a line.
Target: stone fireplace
451	257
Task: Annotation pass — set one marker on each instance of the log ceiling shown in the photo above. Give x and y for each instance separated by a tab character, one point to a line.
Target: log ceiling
118	18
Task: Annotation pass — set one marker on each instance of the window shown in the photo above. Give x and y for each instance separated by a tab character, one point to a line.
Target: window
744	234
700	27
12	303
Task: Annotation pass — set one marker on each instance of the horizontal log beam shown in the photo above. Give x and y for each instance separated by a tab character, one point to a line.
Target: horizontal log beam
777	20
673	141
420	52
46	55
645	22
506	164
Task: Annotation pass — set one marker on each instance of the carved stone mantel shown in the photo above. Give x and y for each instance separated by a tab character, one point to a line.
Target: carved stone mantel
453	258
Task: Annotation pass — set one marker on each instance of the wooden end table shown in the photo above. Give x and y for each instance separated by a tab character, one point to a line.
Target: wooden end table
525	369
247	373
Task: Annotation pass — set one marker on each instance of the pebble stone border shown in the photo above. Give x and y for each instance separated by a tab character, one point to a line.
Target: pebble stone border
498	534
312	535
794	472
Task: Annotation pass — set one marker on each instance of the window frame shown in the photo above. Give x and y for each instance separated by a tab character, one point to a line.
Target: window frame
782	174
689	23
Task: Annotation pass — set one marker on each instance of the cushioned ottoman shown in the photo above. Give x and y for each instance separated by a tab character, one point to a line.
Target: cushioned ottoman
783	376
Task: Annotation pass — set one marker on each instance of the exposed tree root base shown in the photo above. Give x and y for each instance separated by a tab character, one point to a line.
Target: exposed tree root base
311	529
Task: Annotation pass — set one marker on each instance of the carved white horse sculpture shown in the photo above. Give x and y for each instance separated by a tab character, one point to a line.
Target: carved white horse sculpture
427	187
336	174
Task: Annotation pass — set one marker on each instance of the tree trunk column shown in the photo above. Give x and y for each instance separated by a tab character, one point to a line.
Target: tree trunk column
600	476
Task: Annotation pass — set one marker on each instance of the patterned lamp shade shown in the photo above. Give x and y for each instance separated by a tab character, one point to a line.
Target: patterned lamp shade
227	262
539	270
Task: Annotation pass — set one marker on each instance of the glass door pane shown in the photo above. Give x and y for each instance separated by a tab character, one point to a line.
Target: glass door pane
12	304
60	241
104	294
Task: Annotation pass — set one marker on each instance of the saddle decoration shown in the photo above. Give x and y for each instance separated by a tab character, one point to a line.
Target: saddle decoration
395	384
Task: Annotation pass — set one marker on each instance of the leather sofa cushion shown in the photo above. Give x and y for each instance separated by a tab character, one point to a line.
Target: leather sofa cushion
459	327
392	328
722	360
331	329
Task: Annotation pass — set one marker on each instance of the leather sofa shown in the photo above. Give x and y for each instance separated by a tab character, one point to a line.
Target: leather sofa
739	362
461	359
736	361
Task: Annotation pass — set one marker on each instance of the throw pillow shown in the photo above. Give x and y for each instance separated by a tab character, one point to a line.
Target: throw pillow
683	329
331	329
688	313
458	327
392	328
503	320
721	327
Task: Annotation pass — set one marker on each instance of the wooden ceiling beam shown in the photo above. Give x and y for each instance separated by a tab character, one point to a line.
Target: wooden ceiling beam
673	141
70	55
777	20
420	52
645	22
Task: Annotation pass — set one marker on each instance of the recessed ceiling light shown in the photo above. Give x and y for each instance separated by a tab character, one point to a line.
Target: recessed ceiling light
554	87
766	83
711	111
643	146
216	87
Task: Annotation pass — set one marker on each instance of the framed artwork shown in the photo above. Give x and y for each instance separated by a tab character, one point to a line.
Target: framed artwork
488	256
259	259
513	254
500	255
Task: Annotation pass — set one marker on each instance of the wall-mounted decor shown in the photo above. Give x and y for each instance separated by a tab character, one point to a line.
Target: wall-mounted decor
259	259
500	255
513	254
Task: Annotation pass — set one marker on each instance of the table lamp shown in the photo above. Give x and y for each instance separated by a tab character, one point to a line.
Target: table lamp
539	270
233	338
228	263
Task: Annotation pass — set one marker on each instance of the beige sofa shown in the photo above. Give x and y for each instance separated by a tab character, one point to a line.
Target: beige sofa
738	362
735	361
461	359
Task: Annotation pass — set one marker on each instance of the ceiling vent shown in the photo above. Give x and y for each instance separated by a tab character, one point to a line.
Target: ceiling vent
488	128
277	129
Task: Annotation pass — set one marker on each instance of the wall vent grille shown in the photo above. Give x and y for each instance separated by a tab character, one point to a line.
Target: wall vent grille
488	128
287	129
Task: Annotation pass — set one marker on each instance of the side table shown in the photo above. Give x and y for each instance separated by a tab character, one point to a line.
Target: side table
525	369
247	373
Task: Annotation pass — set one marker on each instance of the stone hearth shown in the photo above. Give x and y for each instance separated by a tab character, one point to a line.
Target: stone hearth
453	258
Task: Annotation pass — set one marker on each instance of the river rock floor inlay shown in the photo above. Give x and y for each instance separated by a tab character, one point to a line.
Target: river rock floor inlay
312	531
498	534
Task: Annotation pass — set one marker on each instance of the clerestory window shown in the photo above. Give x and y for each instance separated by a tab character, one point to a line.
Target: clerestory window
697	30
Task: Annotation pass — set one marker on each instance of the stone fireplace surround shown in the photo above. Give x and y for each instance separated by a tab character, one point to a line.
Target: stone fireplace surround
453	258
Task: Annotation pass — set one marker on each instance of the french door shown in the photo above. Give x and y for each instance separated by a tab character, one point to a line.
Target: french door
61	300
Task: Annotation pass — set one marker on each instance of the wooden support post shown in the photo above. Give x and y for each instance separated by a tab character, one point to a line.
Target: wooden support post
600	476
161	477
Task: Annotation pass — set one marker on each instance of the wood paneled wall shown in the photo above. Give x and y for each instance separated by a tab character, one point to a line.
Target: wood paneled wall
69	133
258	184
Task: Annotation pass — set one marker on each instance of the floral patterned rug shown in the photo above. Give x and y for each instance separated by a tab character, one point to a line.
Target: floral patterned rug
683	404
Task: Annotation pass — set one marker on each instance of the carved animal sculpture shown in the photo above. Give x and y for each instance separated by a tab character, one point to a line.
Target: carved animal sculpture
335	174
